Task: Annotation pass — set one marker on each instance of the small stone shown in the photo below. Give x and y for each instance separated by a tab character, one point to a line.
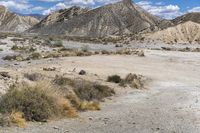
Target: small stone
55	127
90	118
5	74
82	72
141	53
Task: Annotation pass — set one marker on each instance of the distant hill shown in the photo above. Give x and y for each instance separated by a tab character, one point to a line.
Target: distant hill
13	22
37	16
188	32
119	18
194	17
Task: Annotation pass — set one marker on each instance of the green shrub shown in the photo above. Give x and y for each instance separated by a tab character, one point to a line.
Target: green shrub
114	79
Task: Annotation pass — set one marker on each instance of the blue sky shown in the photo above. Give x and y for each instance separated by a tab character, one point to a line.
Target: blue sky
164	8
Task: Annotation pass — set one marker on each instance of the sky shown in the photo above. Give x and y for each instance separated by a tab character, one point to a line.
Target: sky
167	9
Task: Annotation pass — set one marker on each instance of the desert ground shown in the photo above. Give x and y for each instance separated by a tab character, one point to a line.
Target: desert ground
169	103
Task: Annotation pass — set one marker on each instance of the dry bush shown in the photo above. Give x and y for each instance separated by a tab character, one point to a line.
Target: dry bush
35	56
61	81
135	81
33	76
83	94
114	79
105	52
39	102
90	91
85	48
3	36
23	48
5	120
13	57
131	51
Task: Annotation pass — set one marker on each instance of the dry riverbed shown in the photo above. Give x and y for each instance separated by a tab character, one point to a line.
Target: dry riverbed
170	102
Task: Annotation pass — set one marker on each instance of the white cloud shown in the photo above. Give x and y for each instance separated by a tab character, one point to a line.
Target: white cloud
54	8
15	5
161	10
195	9
51	0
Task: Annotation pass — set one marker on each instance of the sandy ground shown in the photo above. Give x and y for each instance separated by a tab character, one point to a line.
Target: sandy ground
171	104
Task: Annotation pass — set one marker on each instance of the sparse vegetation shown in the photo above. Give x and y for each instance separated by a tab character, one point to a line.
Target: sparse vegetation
23	48
105	52
33	76
133	80
90	91
85	94
13	57
35	56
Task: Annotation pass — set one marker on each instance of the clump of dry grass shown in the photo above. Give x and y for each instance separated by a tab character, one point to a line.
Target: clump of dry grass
91	105
18	119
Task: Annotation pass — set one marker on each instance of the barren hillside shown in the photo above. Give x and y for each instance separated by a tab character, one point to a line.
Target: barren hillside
114	19
187	32
13	22
194	17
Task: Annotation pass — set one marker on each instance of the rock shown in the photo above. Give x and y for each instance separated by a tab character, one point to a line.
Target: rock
90	118
141	53
82	72
49	69
55	127
5	74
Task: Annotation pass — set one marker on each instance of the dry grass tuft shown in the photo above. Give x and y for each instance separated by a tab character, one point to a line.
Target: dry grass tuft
18	119
68	110
85	105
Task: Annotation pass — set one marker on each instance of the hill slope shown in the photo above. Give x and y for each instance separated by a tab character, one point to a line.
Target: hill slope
13	22
194	17
114	19
183	33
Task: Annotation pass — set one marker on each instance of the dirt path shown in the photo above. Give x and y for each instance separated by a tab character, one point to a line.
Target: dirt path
170	105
